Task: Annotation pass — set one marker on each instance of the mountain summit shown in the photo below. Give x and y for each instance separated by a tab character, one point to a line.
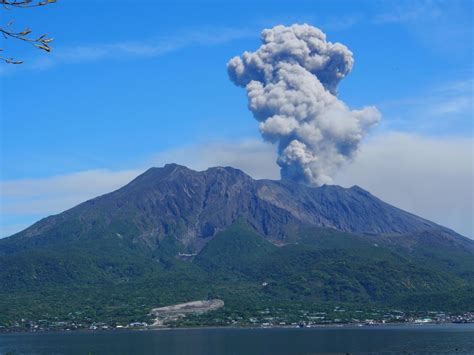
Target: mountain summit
193	206
176	235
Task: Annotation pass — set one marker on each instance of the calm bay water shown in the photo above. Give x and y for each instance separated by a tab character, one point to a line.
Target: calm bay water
444	339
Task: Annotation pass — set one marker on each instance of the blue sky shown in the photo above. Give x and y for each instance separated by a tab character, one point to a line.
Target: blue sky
129	85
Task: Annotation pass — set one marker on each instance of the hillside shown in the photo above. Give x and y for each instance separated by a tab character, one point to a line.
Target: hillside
176	235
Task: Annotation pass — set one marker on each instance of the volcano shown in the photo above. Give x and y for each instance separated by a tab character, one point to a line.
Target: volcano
175	235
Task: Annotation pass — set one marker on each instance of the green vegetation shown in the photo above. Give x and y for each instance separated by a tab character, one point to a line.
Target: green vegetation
111	280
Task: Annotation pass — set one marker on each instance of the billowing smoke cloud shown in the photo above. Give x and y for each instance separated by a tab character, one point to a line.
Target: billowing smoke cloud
291	83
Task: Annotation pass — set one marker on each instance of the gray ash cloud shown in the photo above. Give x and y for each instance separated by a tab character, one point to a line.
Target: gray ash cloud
291	82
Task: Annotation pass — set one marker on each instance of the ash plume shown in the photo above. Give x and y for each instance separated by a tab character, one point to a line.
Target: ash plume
291	82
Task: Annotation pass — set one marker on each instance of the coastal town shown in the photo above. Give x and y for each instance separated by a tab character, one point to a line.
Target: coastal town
265	318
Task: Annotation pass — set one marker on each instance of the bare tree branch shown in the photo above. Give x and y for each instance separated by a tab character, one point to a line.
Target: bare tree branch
24	3
41	42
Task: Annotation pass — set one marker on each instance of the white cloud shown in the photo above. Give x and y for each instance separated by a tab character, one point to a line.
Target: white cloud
253	156
429	176
150	48
153	47
24	201
444	27
438	109
409	11
454	99
341	23
92	181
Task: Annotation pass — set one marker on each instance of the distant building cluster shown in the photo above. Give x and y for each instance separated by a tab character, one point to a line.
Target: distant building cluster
265	318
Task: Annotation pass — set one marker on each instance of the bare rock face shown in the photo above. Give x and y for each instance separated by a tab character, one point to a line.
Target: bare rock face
193	206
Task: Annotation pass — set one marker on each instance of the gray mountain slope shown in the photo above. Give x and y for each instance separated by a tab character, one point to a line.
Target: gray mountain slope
193	206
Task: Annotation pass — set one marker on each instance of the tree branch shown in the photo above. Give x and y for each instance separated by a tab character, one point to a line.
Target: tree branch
24	3
41	42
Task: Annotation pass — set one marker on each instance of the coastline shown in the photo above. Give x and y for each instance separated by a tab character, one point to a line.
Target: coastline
401	325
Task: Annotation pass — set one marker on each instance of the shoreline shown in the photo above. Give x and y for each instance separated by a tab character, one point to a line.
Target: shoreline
312	327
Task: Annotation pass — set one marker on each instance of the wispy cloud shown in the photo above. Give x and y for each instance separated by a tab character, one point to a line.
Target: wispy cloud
342	23
155	47
453	98
150	48
437	109
444	27
52	195
24	201
402	12
409	11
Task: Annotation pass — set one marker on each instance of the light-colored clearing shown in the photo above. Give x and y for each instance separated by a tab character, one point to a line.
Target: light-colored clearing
176	311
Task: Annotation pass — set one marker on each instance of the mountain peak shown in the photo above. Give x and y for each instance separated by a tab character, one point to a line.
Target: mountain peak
166	171
174	171
197	204
170	168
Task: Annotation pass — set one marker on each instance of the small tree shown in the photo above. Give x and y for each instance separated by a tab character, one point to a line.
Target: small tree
41	42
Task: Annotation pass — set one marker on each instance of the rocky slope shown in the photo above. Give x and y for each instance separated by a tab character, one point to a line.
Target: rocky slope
193	206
